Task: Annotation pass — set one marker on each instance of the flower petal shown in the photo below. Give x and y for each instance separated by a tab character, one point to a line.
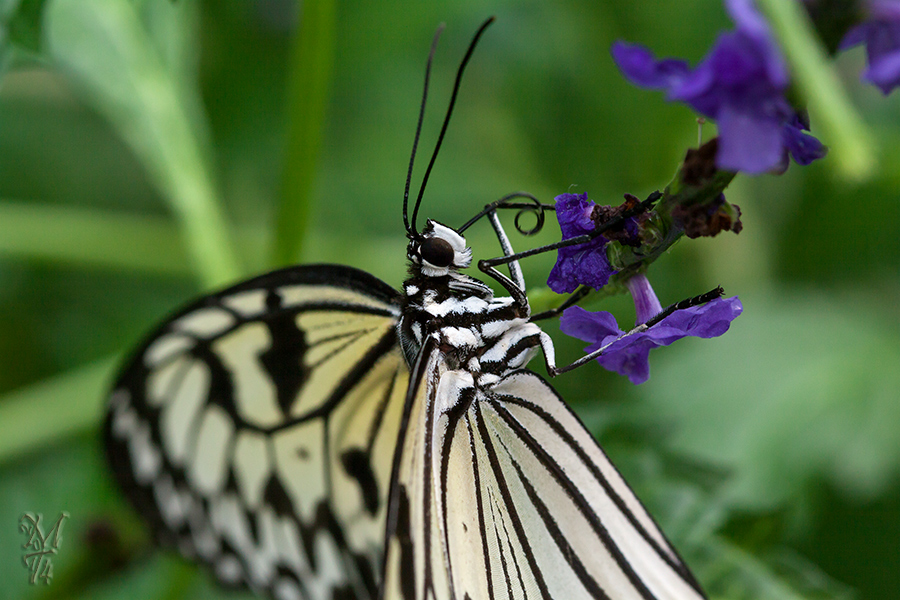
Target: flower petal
581	264
646	304
630	358
884	72
854	37
585	325
741	83
705	321
639	65
748	142
884	10
753	25
628	354
584	264
803	147
881	35
573	211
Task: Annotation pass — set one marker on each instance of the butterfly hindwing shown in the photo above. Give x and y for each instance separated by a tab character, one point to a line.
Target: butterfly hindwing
255	430
503	493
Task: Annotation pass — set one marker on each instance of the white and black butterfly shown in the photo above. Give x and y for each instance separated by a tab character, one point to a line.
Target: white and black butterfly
314	434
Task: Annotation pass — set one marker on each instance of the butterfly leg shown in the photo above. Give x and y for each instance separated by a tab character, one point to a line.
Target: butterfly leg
515	283
515	270
572	300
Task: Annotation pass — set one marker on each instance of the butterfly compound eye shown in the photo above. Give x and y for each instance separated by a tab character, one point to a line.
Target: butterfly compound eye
437	252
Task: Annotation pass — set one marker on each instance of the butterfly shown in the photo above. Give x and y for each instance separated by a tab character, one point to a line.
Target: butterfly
312	433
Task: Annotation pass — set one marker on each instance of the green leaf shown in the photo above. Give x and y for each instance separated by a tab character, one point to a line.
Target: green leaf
23	18
794	392
7	10
89	237
103	239
309	87
780	576
111	56
53	409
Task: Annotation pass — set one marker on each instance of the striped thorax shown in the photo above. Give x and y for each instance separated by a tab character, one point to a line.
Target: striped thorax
478	333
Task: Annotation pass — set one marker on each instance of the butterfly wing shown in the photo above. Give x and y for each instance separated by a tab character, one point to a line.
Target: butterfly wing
503	493
255	430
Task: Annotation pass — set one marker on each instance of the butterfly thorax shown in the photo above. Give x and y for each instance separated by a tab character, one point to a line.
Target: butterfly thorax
476	332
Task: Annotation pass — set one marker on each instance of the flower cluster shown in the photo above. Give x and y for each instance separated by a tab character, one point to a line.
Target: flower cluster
741	84
744	84
881	35
627	353
587	263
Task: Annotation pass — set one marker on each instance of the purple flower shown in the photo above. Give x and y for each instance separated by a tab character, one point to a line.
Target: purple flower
628	354
583	263
881	35
646	304
741	84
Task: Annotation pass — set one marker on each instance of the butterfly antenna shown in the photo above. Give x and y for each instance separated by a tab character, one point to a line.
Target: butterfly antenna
411	232
437	146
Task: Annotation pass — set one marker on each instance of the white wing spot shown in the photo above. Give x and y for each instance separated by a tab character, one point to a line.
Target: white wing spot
254	392
285	589
125	421
302	477
179	416
209	463
118	399
206	322
287	540
264	559
248	304
205	540
229	569
159	383
231	522
252	466
145	456
169	502
330	567
165	347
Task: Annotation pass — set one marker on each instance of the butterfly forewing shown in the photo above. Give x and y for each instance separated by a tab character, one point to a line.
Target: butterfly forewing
255	430
410	565
505	494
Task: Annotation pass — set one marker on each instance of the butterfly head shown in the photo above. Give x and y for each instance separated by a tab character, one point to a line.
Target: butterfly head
438	250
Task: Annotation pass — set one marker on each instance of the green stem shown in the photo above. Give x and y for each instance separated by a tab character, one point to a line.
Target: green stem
851	143
312	58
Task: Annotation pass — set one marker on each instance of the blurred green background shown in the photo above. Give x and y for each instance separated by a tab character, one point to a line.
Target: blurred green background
151	150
